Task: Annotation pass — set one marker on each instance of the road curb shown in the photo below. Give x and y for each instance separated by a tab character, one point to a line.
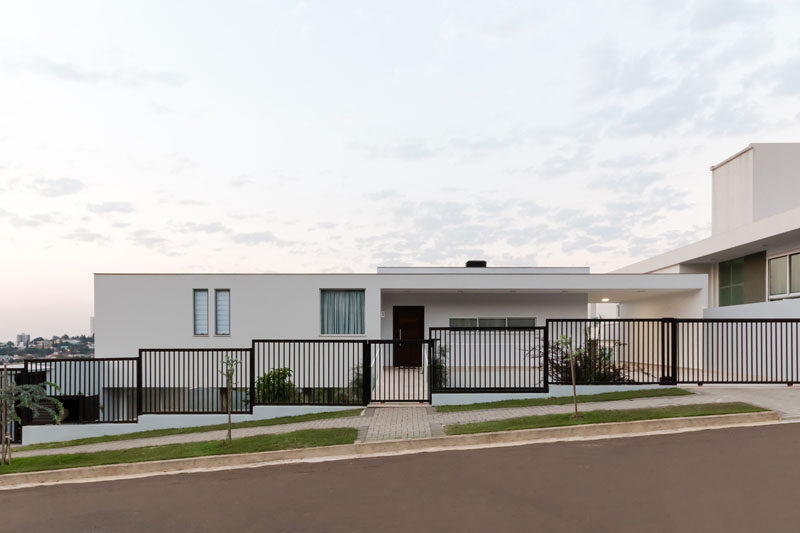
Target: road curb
524	436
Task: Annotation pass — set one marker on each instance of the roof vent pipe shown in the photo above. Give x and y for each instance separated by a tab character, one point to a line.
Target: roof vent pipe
476	263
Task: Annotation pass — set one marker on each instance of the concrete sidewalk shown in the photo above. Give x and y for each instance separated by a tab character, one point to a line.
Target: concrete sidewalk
779	398
381	423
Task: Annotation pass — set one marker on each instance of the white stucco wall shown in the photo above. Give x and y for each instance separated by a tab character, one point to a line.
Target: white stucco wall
776	177
689	304
775	309
732	193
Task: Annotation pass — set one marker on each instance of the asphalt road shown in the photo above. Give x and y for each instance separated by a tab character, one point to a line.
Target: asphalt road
745	479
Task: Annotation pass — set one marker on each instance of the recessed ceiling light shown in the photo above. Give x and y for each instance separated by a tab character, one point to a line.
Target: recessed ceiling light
604	300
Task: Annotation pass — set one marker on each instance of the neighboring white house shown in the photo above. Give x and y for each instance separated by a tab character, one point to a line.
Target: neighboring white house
752	258
134	311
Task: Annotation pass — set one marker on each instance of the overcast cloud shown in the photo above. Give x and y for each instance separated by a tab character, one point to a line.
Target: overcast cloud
319	136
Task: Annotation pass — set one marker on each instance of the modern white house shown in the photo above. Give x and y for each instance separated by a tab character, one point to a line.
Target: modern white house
310	342
134	311
752	258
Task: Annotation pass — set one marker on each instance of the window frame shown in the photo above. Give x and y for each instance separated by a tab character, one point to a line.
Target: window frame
322	322
788	294
194	313
216	313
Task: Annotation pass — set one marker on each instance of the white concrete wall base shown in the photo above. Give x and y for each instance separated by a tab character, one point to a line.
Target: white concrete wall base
53	433
555	390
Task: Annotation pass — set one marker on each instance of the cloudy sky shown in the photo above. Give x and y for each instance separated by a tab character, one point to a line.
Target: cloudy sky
338	136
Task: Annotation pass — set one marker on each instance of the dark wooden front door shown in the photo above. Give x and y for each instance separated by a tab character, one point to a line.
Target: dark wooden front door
408	324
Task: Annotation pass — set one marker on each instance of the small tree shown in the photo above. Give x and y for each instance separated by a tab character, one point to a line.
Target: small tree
229	371
33	397
565	343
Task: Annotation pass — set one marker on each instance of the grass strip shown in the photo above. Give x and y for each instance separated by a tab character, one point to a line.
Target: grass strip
194	429
306	438
600	417
562	400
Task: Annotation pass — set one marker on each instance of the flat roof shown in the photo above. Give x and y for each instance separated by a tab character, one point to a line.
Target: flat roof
482	270
768	233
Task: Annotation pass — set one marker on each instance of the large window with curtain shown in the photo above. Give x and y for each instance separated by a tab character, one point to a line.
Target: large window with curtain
342	312
201	311
222	312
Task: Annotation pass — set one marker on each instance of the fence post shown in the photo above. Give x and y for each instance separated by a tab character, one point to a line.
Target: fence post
674	348
139	385
252	375
366	373
546	357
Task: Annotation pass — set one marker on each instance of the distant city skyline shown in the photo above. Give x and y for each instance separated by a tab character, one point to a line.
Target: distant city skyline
336	137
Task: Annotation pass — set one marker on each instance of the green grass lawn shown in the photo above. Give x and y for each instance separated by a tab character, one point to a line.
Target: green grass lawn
599	417
562	400
307	438
194	429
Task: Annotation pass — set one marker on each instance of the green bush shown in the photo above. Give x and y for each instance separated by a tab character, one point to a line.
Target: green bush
439	368
275	387
594	363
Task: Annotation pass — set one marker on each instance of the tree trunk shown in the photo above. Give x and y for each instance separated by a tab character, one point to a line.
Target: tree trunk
574	391
228	376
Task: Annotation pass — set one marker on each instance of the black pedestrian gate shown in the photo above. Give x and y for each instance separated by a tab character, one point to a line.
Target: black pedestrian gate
395	375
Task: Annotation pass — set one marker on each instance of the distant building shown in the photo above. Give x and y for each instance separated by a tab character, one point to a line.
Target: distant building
23	339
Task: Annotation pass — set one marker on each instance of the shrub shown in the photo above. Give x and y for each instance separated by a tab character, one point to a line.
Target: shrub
594	363
275	387
439	368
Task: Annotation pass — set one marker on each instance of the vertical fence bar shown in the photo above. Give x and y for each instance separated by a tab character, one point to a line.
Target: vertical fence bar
366	374
252	397
139	385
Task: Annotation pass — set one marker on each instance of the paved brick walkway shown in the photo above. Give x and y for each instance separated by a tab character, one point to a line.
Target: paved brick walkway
389	423
381	423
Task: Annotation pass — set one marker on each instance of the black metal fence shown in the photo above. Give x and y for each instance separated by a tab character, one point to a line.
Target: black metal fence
189	381
355	372
308	372
610	351
738	351
489	360
91	390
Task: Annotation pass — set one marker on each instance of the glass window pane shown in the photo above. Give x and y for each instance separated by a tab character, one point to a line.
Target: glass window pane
737	271
200	312
463	322
724	296
342	312
491	322
795	273
521	322
737	294
724	274
777	275
223	312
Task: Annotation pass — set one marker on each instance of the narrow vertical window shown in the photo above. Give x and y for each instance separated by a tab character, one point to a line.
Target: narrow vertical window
223	311
201	312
